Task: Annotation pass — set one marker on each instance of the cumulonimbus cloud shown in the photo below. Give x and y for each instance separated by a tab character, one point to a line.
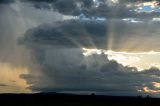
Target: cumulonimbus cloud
66	69
89	34
63	70
63	67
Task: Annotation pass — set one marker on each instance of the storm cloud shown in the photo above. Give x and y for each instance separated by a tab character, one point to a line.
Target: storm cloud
46	38
93	8
98	33
67	70
62	67
6	1
97	8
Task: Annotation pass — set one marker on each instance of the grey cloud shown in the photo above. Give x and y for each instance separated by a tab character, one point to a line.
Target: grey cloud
103	8
69	7
68	70
65	68
62	67
138	0
152	71
80	33
69	33
6	1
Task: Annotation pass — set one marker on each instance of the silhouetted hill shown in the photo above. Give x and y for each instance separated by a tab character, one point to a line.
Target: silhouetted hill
62	99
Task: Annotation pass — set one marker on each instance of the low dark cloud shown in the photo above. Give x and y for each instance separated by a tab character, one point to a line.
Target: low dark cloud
6	1
69	33
101	8
80	33
63	70
89	8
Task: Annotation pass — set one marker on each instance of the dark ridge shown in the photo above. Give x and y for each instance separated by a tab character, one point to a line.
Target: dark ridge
63	99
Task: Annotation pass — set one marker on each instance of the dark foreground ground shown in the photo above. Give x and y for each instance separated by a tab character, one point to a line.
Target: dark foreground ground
55	99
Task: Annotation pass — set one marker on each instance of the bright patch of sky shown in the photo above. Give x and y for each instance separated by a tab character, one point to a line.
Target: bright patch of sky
156	19
148	7
132	20
83	17
141	60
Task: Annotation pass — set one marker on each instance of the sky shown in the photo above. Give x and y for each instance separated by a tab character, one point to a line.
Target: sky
108	47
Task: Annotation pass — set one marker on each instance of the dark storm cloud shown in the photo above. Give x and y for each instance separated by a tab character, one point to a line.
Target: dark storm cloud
65	68
68	70
101	8
132	1
67	7
67	33
89	8
6	1
62	67
80	33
